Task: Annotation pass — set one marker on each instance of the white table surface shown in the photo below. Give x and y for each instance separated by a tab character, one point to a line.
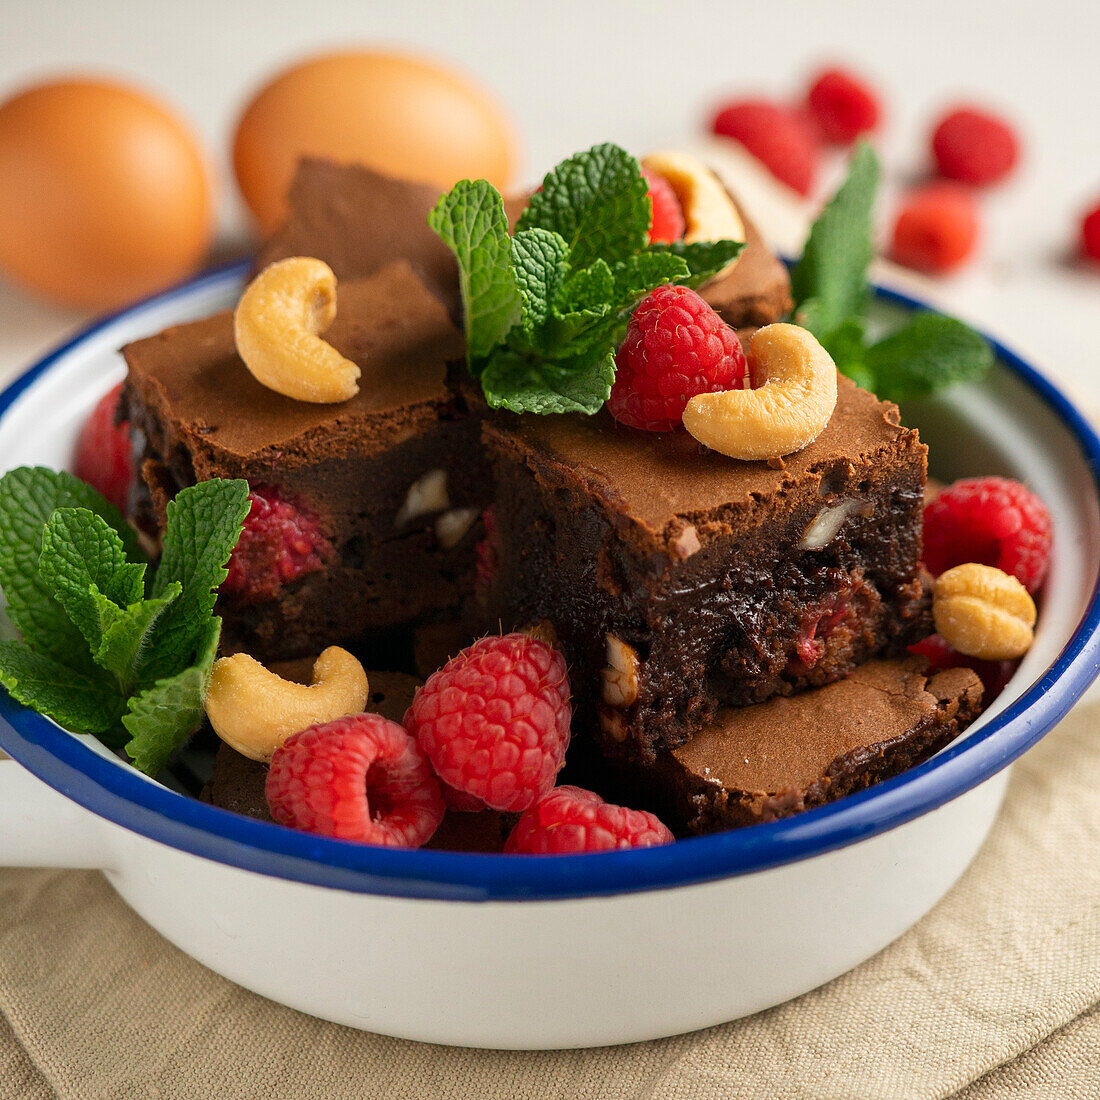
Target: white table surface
644	74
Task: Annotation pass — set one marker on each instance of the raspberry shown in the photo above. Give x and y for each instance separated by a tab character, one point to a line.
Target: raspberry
676	346
103	457
486	551
994	675
936	228
842	106
571	819
494	720
361	778
281	542
1090	233
667	221
973	146
778	137
992	521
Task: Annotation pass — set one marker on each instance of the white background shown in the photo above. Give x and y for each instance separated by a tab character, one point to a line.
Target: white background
573	72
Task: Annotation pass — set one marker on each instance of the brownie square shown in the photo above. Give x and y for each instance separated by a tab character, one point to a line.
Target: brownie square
789	754
678	580
198	413
358	220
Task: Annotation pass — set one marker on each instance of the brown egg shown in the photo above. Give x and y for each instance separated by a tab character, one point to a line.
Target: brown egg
401	115
104	195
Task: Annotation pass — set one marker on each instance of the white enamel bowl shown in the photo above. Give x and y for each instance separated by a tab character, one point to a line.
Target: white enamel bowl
500	951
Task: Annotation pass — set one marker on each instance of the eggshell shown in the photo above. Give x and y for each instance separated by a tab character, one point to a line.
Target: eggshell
402	115
104	194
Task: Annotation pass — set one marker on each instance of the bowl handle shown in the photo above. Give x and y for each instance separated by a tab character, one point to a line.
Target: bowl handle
41	828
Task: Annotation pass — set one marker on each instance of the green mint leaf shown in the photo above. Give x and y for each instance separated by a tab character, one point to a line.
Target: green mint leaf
163	716
126	642
585	336
848	347
532	384
590	288
637	275
829	283
84	563
704	259
540	262
596	201
565	335
471	222
203	525
79	702
926	354
28	497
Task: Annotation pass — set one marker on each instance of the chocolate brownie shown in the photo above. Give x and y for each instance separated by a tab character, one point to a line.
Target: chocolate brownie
357	220
393	554
238	782
712	582
774	759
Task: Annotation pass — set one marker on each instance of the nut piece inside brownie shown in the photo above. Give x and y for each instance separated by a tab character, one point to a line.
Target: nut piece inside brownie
759	763
678	581
376	475
237	783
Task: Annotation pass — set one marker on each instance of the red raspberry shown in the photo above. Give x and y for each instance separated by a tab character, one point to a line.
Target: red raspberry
495	720
667	221
994	675
973	146
281	541
360	778
936	228
571	819
488	555
1090	233
676	346
842	106
992	521
103	455
778	137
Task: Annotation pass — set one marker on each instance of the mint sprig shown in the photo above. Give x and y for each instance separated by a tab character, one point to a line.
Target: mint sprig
545	309
831	292
106	648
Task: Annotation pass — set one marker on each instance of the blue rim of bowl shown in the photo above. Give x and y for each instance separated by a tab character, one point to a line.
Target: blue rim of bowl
119	794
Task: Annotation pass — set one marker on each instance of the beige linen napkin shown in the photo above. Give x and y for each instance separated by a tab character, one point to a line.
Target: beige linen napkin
1005	972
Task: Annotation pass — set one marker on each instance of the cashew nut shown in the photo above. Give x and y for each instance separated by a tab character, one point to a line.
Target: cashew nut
276	326
788	412
983	612
709	212
620	677
254	711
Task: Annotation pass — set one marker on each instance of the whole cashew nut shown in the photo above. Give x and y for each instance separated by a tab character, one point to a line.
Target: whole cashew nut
983	612
709	212
788	412
254	711
277	325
